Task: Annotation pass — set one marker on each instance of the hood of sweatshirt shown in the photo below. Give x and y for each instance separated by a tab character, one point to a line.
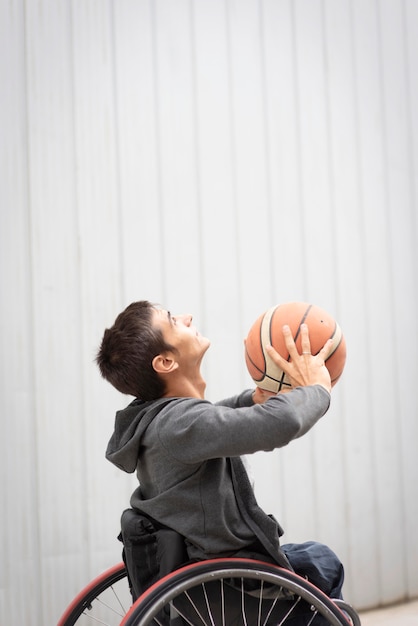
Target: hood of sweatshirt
130	425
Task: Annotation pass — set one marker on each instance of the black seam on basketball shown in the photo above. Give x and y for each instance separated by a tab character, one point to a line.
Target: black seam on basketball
280	382
271	320
264	374
261	344
334	349
254	365
282	377
332	337
304	316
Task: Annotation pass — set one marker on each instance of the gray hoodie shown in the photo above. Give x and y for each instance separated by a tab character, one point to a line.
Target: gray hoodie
180	449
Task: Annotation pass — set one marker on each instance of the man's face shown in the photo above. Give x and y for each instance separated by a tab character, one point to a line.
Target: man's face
179	332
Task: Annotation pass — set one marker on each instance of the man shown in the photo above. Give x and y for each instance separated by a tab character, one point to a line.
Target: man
186	450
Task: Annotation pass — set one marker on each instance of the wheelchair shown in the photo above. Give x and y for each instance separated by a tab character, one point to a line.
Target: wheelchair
215	592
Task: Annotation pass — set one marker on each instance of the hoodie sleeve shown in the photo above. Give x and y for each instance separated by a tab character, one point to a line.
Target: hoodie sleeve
203	431
243	399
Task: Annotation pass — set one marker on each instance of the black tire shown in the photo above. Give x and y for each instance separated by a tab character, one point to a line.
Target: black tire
200	594
102	591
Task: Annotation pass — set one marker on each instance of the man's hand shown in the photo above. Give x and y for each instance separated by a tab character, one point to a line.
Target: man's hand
261	395
303	369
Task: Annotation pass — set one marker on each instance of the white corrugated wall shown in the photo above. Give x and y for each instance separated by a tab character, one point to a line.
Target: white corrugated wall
217	157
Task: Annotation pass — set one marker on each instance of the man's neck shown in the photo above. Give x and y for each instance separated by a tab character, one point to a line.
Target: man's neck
186	388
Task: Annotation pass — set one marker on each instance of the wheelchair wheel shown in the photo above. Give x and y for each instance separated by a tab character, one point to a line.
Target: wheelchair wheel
105	600
235	592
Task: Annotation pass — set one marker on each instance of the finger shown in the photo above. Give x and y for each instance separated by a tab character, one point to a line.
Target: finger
326	350
290	342
304	339
274	355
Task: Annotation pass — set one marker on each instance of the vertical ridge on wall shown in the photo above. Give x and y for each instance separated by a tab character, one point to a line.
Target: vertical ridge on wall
402	258
335	46
265	133
159	145
350	247
387	35
55	321
374	227
284	150
17	450
410	433
249	155
137	110
218	250
118	157
178	143
83	560
232	131
202	302
100	256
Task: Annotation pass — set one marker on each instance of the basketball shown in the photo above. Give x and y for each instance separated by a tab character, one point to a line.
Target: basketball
268	329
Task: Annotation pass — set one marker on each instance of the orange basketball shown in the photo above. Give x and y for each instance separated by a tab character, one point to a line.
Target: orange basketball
268	329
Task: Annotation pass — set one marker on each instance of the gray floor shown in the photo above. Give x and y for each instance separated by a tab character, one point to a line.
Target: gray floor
401	615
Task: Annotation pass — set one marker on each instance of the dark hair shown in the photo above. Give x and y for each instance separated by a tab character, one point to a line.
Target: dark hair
127	350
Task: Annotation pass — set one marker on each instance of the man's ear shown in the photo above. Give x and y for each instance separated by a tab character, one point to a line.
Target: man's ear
164	363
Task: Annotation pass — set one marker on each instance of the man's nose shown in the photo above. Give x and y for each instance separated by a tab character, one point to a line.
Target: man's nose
186	319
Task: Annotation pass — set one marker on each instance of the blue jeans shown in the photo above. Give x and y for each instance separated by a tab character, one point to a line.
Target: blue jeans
319	564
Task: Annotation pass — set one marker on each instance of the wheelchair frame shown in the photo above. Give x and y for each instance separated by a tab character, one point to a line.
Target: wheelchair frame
178	591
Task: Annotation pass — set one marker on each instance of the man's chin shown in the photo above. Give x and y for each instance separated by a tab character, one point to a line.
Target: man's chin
205	343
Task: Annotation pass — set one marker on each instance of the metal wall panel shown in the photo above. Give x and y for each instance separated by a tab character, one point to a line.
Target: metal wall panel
217	157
